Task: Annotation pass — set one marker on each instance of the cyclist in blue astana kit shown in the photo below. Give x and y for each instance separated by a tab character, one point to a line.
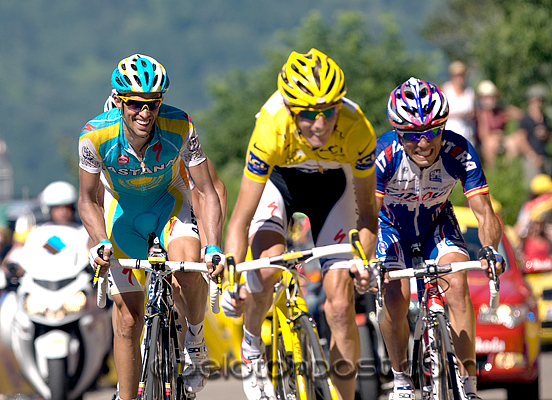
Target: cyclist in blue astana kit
139	151
417	165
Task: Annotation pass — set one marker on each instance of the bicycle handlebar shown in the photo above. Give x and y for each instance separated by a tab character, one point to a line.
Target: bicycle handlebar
431	269
353	249
166	267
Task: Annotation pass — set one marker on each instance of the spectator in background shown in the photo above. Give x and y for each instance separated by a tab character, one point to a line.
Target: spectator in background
492	116
536	208
533	135
461	100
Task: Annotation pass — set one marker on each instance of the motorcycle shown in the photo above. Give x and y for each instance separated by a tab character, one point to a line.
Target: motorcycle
58	335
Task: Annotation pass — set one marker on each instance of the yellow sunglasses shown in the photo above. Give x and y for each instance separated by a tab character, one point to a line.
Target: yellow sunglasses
137	105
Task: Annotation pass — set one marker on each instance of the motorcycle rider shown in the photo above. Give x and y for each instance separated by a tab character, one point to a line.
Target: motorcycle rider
58	203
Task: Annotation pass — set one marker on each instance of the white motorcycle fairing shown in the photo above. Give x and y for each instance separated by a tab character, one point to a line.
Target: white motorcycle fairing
56	317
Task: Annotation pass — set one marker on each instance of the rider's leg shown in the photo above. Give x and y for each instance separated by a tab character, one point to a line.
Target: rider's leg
128	321
394	329
461	314
263	244
345	343
190	288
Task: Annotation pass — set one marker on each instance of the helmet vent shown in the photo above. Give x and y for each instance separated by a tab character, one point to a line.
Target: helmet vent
127	79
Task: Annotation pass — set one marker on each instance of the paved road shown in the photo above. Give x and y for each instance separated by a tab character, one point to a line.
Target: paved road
231	389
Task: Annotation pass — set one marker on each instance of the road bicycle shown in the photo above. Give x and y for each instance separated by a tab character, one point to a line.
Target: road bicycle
434	363
296	361
161	371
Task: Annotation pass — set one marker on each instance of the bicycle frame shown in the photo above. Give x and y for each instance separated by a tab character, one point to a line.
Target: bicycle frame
292	322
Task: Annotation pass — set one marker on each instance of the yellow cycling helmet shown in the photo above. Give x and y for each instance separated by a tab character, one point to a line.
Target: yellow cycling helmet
541	184
311	79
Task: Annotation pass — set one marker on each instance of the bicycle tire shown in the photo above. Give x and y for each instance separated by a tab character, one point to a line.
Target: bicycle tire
318	382
455	386
438	374
154	385
284	384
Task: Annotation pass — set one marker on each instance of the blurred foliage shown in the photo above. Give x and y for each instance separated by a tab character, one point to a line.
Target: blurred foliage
506	41
510	43
56	61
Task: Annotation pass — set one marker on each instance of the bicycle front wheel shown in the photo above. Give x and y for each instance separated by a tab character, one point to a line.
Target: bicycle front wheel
437	366
153	383
311	368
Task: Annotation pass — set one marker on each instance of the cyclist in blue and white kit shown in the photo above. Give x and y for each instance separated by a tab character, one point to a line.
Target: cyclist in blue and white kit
139	151
417	165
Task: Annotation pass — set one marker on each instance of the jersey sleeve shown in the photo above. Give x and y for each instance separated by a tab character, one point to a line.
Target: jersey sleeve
88	156
262	150
388	153
191	151
466	164
361	139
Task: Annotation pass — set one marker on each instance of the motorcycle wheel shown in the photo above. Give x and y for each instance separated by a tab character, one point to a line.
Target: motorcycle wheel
58	381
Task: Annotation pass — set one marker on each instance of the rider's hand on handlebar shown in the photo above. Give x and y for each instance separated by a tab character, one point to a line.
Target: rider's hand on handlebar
94	258
489	251
361	280
231	307
210	252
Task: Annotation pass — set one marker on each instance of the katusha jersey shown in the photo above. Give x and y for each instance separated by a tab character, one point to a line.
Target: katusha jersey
413	198
276	142
174	146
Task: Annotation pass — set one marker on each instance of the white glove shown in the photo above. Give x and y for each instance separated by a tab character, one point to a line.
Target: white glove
226	304
214	250
103	245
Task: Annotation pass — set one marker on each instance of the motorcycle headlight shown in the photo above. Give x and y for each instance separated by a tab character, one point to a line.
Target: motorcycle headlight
75	303
34	305
507	315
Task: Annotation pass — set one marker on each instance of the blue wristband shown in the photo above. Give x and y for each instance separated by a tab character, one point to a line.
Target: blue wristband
213	248
105	241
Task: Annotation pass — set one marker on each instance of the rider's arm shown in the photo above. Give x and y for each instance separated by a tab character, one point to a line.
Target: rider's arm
244	209
367	225
209	204
220	188
490	228
90	210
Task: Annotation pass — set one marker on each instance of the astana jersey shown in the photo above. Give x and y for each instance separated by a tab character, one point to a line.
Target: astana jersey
156	190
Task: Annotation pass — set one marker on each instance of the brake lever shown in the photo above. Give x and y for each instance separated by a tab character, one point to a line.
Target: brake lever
216	261
232	277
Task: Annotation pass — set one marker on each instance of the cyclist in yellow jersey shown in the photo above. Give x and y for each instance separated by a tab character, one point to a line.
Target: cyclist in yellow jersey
312	151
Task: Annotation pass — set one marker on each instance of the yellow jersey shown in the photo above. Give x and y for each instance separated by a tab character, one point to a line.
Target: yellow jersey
276	141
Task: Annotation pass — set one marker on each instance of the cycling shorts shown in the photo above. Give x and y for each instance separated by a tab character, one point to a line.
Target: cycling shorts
327	198
129	221
444	237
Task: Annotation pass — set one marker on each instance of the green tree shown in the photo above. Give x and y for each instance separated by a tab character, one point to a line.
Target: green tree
510	43
506	41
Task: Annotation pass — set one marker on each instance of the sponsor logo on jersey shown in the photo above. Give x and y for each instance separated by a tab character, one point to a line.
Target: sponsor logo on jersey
142	183
366	162
435	175
460	154
89	127
256	166
140	171
122	159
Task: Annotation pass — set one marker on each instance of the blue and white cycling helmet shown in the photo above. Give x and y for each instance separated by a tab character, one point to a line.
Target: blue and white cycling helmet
140	74
417	105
